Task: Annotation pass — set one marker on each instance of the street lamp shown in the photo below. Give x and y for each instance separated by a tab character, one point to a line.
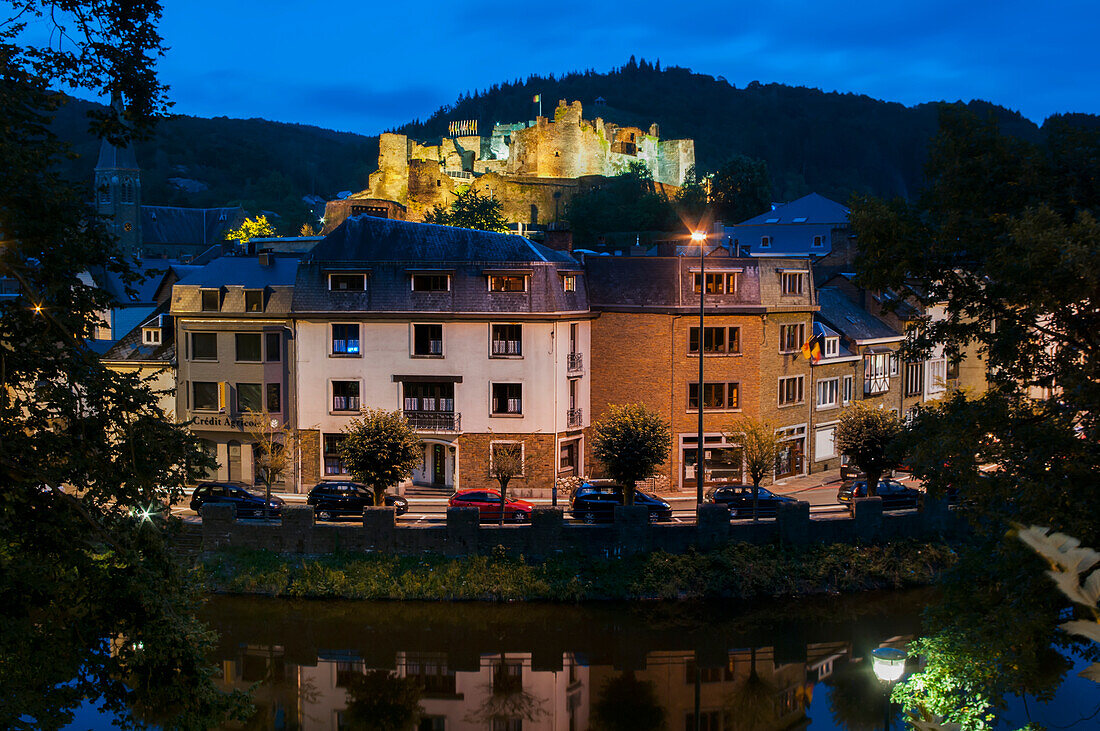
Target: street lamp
700	238
889	665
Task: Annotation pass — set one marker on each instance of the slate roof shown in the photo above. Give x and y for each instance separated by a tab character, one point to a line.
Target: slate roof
845	316
365	238
814	208
130	347
666	283
196	226
389	251
145	291
244	271
113	157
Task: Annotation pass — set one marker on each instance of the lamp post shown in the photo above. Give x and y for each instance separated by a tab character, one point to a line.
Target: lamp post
889	665
700	237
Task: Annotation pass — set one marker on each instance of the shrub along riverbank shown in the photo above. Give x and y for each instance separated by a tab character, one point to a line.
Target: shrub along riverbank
739	571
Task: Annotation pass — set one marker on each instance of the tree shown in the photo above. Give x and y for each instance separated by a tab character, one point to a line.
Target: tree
379	449
257	228
760	449
628	704
866	434
505	462
95	606
470	209
625	202
275	448
382	701
307	230
740	189
691	198
631	441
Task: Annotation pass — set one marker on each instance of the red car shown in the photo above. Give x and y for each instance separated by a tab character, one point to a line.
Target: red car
488	502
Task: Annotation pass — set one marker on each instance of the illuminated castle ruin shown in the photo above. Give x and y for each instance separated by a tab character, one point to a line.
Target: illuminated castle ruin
533	168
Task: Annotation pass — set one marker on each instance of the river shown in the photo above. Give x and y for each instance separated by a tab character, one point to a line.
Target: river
539	667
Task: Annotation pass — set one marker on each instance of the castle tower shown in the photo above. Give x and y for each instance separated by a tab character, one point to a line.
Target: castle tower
118	194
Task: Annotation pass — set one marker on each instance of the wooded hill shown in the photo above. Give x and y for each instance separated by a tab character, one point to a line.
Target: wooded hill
827	142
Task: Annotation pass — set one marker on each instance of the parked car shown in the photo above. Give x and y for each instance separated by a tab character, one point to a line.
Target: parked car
488	503
331	500
249	501
895	496
849	470
738	499
595	501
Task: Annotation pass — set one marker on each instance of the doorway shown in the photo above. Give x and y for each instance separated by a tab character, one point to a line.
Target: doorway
439	463
789	461
234	466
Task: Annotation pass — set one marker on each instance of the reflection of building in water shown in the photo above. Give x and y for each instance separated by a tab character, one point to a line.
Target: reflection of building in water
501	692
504	692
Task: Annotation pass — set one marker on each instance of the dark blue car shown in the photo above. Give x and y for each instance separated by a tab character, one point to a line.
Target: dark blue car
248	501
595	501
738	499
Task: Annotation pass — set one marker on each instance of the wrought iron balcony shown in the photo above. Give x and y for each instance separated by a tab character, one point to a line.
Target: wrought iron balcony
435	421
574	362
574	417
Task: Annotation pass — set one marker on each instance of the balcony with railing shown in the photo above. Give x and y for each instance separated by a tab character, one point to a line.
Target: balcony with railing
574	417
434	421
574	362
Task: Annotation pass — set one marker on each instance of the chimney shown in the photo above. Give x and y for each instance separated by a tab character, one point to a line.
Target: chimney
558	238
266	258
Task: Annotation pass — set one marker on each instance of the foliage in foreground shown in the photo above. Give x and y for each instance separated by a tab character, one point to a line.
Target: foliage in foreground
379	449
631	441
736	571
470	209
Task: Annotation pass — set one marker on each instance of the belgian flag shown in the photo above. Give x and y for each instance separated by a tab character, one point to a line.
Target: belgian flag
811	349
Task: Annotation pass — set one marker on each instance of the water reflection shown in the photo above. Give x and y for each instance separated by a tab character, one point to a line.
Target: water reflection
451	667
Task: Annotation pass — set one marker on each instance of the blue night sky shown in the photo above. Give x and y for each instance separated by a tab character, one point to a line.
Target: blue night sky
368	66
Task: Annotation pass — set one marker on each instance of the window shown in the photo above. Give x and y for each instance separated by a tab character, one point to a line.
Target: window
253	300
211	300
952	370
274	397
716	340
847	396
274	345
204	346
832	347
765	242
914	378
818	241
507	398
790	390
249	397
334	464
150	335
428	341
825	443
876	372
718	282
431	282
716	396
345	340
567	457
827	393
569	282
347	282
345	395
792	337
507	283
792	282
894	365
506	340
205	396
248	347
937	375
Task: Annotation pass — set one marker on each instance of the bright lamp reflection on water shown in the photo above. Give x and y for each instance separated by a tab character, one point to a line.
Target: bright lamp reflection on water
888	663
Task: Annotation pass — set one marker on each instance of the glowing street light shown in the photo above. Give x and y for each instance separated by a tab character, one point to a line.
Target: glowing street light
700	238
888	663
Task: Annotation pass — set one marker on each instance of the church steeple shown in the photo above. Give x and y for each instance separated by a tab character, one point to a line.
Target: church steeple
118	191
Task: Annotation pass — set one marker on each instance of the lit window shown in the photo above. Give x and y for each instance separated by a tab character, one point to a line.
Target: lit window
569	282
507	283
345	340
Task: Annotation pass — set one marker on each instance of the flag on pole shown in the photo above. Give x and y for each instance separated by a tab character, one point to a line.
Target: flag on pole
537	99
811	349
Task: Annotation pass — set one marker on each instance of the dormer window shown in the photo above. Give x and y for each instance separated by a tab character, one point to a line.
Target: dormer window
793	282
765	242
253	300
569	282
431	282
211	300
507	283
819	241
347	282
150	336
832	347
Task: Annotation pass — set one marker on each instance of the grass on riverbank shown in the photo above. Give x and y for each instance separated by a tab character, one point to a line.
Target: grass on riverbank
739	571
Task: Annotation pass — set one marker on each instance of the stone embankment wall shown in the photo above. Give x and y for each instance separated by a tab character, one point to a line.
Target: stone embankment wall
549	534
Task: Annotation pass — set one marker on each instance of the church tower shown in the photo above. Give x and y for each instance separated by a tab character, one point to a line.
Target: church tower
118	194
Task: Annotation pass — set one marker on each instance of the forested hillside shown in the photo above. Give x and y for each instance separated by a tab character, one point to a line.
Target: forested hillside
831	143
258	164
